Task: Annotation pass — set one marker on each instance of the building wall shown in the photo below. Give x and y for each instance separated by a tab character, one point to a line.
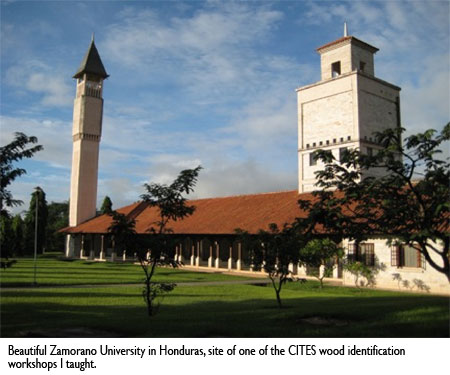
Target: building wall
419	279
327	119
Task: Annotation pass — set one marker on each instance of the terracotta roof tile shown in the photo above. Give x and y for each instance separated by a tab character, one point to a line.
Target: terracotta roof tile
212	215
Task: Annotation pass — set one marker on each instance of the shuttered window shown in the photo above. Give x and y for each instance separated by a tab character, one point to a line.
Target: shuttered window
364	253
407	256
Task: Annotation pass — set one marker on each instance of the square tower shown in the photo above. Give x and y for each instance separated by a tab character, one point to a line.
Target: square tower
343	109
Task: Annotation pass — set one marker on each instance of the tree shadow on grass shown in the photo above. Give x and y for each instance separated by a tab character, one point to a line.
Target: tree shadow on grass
407	316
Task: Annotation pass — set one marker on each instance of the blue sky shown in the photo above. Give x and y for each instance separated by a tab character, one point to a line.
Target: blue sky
210	83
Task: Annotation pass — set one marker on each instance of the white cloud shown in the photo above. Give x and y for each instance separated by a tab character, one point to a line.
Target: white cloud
54	135
36	77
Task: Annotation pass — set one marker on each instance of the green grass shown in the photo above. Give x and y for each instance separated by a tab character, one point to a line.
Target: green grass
210	311
222	311
54	271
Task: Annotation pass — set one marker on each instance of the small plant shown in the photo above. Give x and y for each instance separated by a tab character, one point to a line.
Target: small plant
321	253
361	271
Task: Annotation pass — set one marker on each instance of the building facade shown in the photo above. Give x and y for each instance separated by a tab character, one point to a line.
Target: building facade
343	109
338	113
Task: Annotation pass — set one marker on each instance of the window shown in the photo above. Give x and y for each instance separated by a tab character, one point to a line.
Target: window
362	65
342	152
369	151
336	69
312	159
364	253
406	256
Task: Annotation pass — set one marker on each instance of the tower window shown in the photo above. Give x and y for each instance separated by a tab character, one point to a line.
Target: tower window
336	69
362	65
312	159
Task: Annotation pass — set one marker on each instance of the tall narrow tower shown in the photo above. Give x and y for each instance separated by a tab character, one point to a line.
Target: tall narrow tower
345	108
86	133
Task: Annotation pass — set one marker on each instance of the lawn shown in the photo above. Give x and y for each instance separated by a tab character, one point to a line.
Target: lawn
216	310
52	270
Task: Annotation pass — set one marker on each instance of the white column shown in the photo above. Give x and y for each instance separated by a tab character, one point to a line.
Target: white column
102	247
197	259
180	255
175	256
82	247
124	255
210	258
336	269
239	261
113	254
321	270
70	250
192	255
301	271
230	258
217	260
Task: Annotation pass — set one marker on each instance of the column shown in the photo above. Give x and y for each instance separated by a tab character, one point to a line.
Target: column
230	258
321	270
239	259
301	270
192	255
124	255
197	259
336	269
102	247
210	258
180	254
70	246
175	256
82	247
113	254
217	260
91	251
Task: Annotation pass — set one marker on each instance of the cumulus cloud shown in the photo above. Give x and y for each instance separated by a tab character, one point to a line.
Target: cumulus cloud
36	77
53	134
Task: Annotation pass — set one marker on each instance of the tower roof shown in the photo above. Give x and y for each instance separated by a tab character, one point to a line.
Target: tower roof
91	64
345	40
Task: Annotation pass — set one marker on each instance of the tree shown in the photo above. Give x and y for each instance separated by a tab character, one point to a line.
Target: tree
273	251
321	253
58	218
6	236
156	249
397	204
123	232
30	222
106	206
18	228
15	151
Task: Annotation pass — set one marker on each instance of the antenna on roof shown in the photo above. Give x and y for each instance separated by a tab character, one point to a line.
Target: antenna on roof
345	29
92	38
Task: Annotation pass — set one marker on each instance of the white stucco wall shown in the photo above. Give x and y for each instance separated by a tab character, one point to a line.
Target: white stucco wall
419	279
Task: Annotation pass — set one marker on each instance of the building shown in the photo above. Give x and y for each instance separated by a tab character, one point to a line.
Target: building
338	113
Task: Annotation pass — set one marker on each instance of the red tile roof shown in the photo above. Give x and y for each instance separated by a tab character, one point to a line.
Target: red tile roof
212	215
